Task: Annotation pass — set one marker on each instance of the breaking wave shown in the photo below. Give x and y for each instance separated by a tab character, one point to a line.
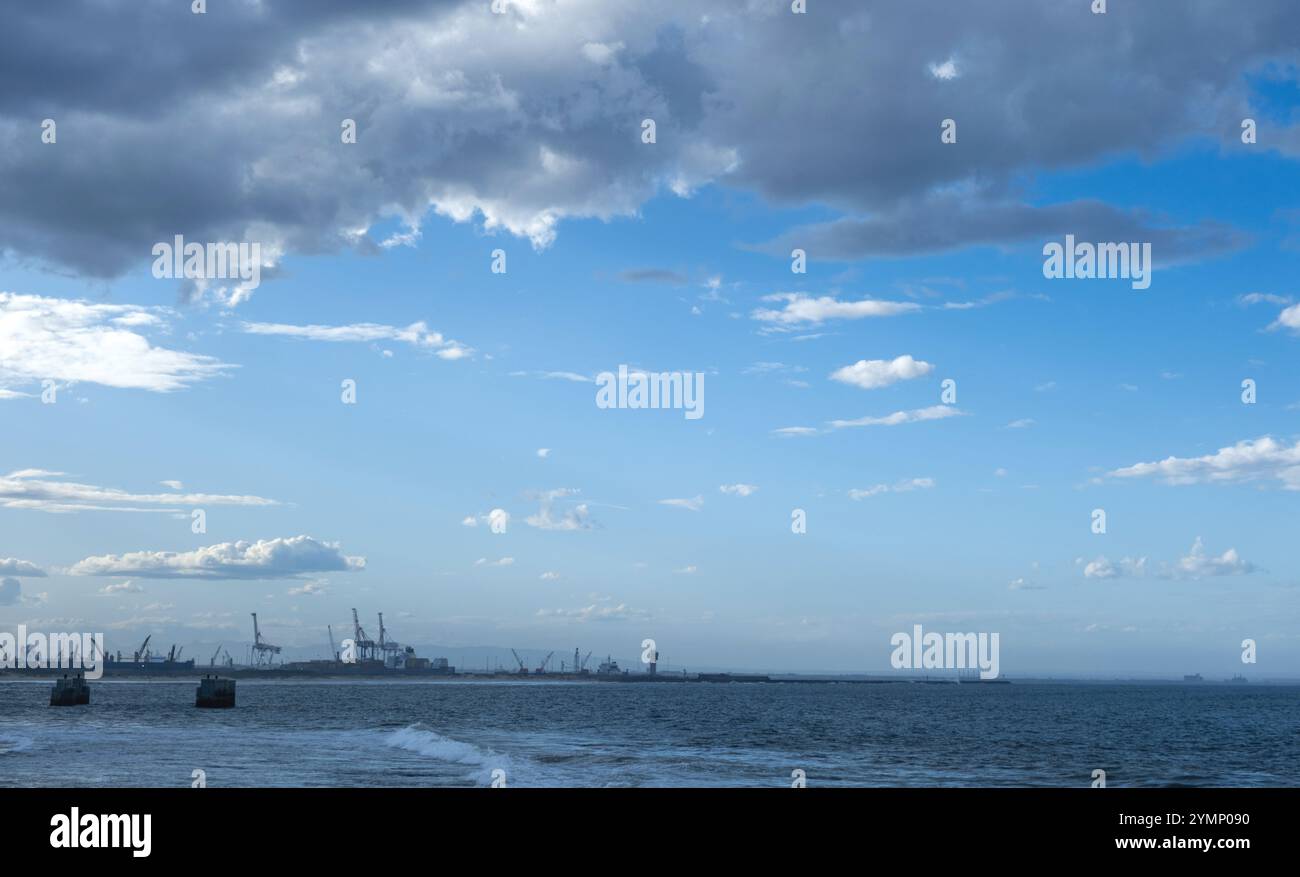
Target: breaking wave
14	743
422	741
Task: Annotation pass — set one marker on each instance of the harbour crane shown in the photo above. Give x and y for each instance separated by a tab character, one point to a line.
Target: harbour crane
364	645
213	661
389	650
541	668
334	652
262	650
582	668
523	668
142	653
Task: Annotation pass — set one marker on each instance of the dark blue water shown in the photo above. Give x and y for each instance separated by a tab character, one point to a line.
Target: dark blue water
608	734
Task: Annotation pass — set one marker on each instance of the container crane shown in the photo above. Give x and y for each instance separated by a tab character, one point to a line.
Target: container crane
365	646
263	651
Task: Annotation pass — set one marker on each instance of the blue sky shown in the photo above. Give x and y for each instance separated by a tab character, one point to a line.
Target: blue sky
978	521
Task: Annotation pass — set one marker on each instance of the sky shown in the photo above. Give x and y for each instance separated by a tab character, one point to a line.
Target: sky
129	401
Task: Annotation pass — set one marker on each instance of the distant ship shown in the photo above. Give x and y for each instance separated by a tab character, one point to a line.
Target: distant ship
1238	680
1195	677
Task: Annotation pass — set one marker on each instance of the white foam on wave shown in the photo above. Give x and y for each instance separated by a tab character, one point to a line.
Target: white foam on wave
419	739
14	743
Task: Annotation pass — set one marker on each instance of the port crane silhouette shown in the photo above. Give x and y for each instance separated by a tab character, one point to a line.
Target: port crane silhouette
263	652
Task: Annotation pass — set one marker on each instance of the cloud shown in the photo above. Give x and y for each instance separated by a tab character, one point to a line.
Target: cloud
1288	319
1101	568
549	576
543	453
802	310
942	222
504	561
690	570
1197	564
1022	423
573	377
308	589
280	558
899	487
693	504
739	489
37	489
595	612
1254	298
946	70
417	335
12	566
1248	460
174	485
653	275
917	415
522	121
794	431
1022	584
872	374
112	589
576	518
70	341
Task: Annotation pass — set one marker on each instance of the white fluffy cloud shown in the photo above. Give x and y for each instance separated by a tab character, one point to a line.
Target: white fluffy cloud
1102	568
800	309
1197	564
1288	319
871	374
279	558
1249	460
12	566
739	489
69	341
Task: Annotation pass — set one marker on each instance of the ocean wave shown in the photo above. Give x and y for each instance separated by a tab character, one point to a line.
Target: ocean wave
10	743
423	741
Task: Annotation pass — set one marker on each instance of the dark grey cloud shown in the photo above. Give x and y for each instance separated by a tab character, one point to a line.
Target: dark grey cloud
225	126
946	223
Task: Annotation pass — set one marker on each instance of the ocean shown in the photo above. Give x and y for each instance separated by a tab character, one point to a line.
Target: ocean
582	734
